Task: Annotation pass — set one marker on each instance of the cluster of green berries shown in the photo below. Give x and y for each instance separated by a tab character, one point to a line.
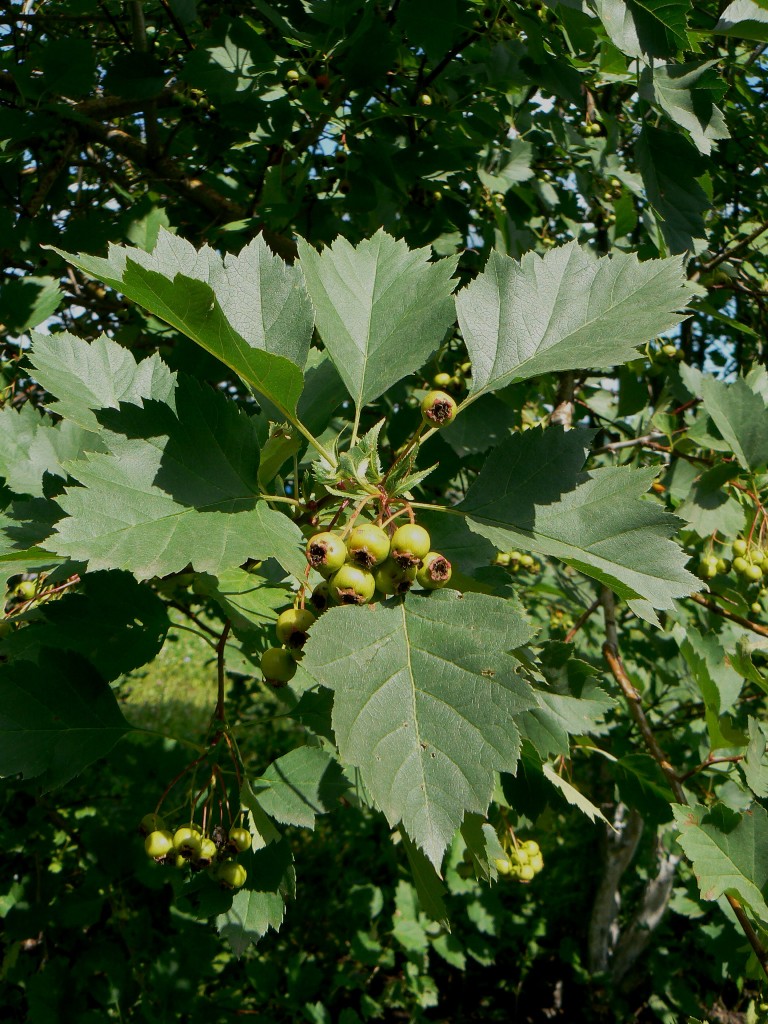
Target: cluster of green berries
560	620
278	664
524	861
517	562
188	847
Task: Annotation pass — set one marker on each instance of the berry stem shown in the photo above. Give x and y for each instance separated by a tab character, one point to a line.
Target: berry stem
416	435
358	509
219	710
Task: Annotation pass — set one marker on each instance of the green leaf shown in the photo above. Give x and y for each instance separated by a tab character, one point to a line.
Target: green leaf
573	796
483	844
728	851
755	764
176	488
429	888
744	19
529	494
577	707
642	785
248	600
501	170
645	27
132	625
718	683
57	715
671	169
300	785
381	308
26	302
250	311
741	416
260	905
31	445
88	376
563	311
709	508
425	703
686	92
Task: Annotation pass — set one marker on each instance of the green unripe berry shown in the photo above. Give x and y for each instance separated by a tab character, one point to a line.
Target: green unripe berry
739	546
278	666
502	865
231	874
187	841
326	553
26	590
207	855
240	838
531	847
410	544
321	597
438	409
425	100
526	873
502	558
435	571
352	585
537	863
756	607
367	545
292	75
441	380
158	844
180	861
527	561
740	565
151	823
292	626
669	350
754	572
391	578
721	565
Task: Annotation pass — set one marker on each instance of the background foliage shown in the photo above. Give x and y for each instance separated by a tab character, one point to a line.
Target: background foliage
459	128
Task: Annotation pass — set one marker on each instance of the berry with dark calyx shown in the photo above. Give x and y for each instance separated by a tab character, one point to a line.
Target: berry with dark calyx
26	590
435	571
207	855
240	839
352	585
441	380
158	844
438	409
231	874
292	75
367	545
151	823
292	627
326	553
391	578
410	543
278	666
187	841
320	598
502	558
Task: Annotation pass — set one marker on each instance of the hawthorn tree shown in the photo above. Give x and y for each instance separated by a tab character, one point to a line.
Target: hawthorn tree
410	357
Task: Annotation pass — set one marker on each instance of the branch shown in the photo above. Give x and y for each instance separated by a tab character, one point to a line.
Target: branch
706	602
568	638
218	713
727	253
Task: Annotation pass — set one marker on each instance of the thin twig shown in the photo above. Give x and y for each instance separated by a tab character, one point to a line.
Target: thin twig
581	620
705	602
219	710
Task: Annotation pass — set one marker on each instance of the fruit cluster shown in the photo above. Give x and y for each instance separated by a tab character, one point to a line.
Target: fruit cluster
517	562
355	566
456	381
749	560
188	847
524	861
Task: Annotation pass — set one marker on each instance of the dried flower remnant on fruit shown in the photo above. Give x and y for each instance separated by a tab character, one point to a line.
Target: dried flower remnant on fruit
435	572
326	553
438	408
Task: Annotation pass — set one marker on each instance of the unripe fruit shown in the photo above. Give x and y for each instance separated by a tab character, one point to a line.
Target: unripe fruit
438	409
231	874
26	590
240	838
151	823
502	558
739	546
531	847
278	666
410	543
180	861
740	565
753	572
367	545
527	561
352	585
425	100
502	865
292	626
187	841
669	350
537	863
526	873
391	578
292	76
321	597
158	844
441	380
722	565
326	553
757	607
435	571
207	853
